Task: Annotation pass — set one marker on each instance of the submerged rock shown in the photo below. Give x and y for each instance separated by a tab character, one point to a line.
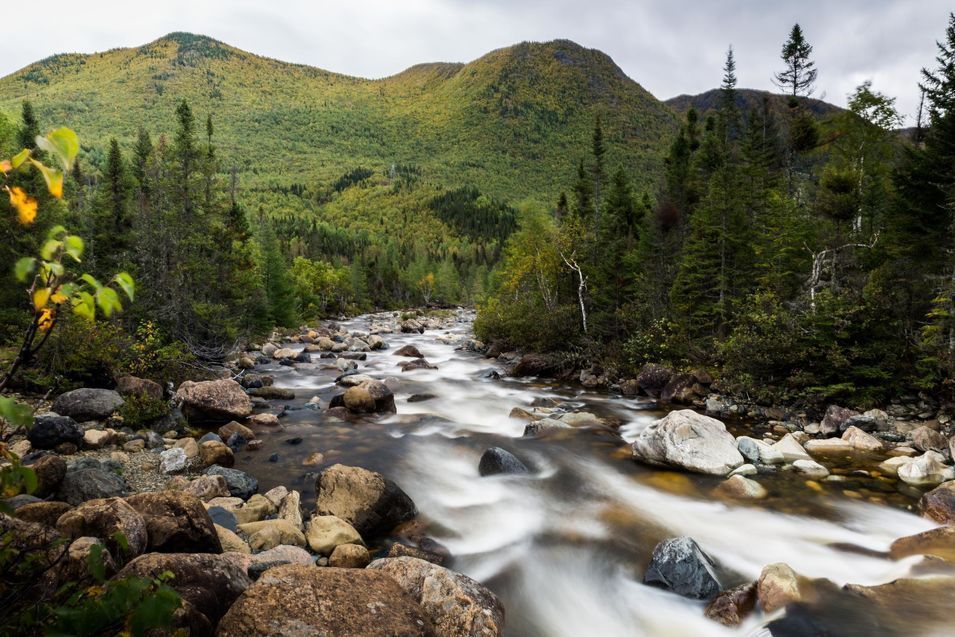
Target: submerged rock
688	440
496	460
680	565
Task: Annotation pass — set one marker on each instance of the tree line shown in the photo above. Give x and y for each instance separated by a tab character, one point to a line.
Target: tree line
802	257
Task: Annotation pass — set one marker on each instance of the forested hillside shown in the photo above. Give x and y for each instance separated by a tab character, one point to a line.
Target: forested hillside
801	251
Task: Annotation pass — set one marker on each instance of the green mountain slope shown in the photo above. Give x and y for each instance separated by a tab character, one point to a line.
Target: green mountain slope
511	123
749	100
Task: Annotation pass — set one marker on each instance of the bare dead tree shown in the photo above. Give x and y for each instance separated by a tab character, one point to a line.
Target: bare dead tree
819	261
581	286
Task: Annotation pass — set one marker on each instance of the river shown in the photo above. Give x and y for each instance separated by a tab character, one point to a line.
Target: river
565	547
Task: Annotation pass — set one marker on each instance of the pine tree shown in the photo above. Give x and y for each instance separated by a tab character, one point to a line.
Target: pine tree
800	72
110	240
29	126
599	150
279	293
729	109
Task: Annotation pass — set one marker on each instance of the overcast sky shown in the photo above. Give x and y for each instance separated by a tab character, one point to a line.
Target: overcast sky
669	46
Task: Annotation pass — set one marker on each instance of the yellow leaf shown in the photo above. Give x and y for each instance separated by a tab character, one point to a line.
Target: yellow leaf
5	166
58	297
40	298
25	205
46	320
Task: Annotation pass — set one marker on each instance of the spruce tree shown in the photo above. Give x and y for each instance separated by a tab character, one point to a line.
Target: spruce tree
799	75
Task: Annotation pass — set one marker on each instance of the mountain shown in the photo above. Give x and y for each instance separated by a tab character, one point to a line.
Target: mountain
748	100
512	123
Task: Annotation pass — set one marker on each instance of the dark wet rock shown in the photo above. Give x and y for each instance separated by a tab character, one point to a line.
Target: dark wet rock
680	565
653	378
274	457
683	389
535	365
213	401
834	418
491	374
107	519
409	351
303	600
176	522
864	422
209	436
17	502
256	381
690	441
496	460
88	404
420	398
418	363
939	503
210	583
732	606
50	471
50	430
139	387
367	500
223	518
89	483
241	484
457	605
237	442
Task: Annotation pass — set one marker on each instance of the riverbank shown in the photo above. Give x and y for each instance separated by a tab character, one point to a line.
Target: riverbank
423	448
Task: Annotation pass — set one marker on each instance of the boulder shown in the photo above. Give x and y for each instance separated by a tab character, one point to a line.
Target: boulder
284	353
173	460
207	487
107	519
834	418
210	583
45	513
439	556
213	401
861	440
98	438
535	365
228	429
810	468
275	495
758	451
778	585
88	404
349	556
653	378
938	542
681	388
828	446
267	534
189	446
303	600
409	351
418	363
367	500
290	509
790	449
50	471
257	508
51	430
139	388
690	441
263	420
732	606
241	484
457	605
213	452
929	469
496	460
326	532
411	326
370	397
90	483
231	542
176	522
926	439
543	426
738	487
939	503
679	565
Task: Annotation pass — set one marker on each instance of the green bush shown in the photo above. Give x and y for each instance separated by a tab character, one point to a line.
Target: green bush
140	411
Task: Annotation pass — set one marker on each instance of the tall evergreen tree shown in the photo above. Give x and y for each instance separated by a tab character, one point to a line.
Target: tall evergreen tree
799	75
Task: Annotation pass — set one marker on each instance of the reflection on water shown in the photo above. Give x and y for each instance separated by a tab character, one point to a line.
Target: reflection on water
565	547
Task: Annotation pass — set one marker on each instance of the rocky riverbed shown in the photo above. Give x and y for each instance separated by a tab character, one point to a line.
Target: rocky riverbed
390	475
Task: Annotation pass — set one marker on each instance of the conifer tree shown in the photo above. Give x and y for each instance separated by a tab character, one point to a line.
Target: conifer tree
799	75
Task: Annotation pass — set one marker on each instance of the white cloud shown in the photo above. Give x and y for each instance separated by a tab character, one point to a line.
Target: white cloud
669	47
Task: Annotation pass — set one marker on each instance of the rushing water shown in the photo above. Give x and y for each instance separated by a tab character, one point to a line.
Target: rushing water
565	547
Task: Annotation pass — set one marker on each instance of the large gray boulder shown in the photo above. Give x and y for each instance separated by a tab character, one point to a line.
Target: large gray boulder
690	441
50	430
88	404
90	483
680	565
